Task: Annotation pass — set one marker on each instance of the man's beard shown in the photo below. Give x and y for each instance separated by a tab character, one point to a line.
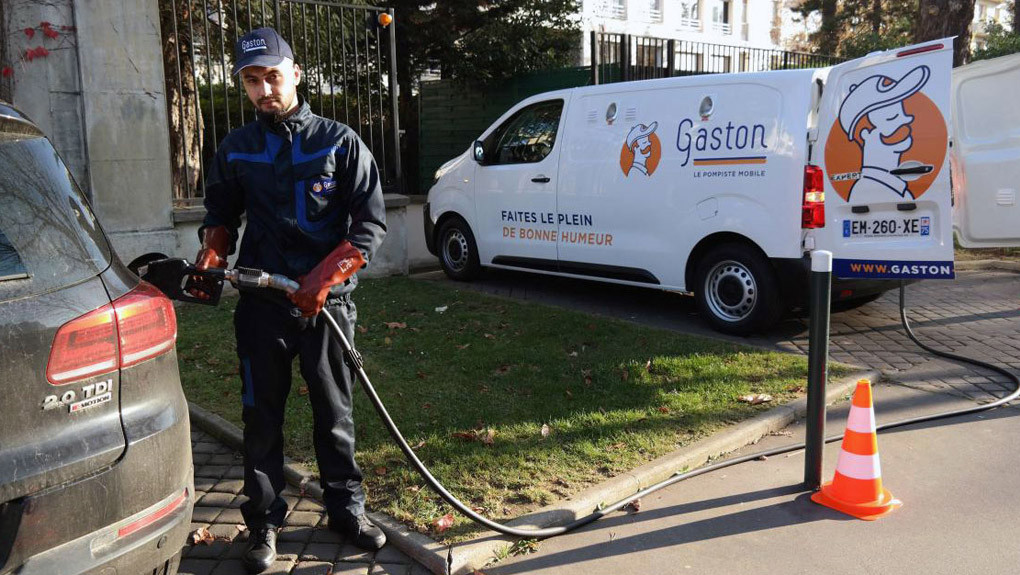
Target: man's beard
280	114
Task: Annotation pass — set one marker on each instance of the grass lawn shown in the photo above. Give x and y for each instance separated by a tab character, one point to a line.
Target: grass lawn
512	405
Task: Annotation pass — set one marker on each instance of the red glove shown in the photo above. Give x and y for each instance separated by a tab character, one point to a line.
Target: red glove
340	264
213	254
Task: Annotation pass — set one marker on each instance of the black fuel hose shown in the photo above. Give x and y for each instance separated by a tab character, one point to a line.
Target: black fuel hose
354	359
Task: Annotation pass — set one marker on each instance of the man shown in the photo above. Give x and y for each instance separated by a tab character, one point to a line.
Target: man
311	192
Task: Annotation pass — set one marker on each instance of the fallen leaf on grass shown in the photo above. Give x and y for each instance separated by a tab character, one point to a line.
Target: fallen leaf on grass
465	435
303	390
617	446
796	389
443	523
635	505
362	329
442	308
587	376
488	336
387	340
381	470
569	394
421	375
572	354
625	374
465	346
395	324
503	369
648	366
545	430
419	445
755	398
488	436
414	488
663	409
202	535
426	405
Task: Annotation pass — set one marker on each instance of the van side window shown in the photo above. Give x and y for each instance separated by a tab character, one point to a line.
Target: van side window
526	137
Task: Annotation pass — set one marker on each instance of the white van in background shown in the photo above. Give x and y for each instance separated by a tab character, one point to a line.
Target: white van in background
718	185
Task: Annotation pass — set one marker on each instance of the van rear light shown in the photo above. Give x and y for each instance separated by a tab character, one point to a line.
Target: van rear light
84	347
813	208
137	326
146	324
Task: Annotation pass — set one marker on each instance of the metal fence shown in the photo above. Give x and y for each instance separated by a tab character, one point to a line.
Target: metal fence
624	57
347	56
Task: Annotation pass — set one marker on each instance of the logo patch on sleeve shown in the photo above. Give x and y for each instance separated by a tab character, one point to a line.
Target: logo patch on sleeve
323	187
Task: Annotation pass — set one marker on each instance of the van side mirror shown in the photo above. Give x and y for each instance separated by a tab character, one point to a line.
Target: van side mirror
479	152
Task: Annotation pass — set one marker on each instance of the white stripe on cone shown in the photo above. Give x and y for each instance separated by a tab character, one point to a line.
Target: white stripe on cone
861	420
859	466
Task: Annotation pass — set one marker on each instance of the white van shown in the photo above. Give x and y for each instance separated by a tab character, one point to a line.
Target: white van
718	185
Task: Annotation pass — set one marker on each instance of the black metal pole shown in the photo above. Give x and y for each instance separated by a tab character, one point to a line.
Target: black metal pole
818	366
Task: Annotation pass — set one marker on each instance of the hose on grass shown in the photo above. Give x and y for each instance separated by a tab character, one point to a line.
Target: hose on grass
354	359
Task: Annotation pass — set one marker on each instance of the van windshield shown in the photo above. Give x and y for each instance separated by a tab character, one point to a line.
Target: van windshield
49	237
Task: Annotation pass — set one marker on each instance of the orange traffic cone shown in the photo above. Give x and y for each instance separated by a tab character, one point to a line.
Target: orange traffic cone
856	489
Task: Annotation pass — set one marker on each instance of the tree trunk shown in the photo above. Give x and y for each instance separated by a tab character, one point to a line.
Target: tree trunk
185	116
941	18
828	39
876	17
1016	17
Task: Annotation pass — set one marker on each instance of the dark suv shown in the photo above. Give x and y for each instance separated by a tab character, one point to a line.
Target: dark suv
95	451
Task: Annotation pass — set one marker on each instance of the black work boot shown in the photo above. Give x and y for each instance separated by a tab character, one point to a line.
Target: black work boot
261	550
360	530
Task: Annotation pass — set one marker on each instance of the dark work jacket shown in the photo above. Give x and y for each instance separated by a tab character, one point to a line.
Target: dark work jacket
306	184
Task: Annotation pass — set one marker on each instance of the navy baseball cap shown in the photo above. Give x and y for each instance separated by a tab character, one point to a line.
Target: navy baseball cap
260	47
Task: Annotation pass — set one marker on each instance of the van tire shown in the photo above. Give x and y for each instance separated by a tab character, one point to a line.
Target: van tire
737	290
458	252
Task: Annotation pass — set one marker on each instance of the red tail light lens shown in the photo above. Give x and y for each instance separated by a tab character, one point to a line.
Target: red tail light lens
146	323
138	326
813	208
84	347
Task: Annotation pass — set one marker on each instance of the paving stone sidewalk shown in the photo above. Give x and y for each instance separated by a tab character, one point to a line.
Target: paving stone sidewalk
305	546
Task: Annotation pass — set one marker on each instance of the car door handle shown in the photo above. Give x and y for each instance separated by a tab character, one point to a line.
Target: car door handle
540	179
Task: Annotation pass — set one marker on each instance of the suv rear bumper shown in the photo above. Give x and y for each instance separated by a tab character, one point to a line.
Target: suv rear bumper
155	469
146	550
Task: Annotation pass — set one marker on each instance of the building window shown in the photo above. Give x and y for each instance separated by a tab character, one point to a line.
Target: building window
655	10
690	15
721	16
744	31
618	9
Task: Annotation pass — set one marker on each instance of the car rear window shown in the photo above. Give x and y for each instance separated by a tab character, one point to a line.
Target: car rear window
49	237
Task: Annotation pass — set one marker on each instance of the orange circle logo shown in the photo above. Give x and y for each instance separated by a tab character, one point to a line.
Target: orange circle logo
889	141
641	151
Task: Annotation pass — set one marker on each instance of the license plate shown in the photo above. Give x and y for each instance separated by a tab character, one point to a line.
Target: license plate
919	226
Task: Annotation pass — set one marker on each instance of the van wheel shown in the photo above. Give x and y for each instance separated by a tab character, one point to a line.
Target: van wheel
737	290
458	252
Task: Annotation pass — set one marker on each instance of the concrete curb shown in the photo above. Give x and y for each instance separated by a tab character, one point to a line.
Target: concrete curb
463	558
989	265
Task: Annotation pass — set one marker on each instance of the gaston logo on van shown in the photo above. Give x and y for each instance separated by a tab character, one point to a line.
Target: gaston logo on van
889	140
253	44
641	151
729	145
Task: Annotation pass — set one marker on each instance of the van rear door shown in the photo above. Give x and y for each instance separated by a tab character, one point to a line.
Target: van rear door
986	153
883	142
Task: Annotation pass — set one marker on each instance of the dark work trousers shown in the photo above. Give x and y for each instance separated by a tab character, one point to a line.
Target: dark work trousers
268	339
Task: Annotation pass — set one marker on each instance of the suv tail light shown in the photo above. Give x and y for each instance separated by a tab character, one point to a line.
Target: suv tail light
137	326
146	323
813	208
